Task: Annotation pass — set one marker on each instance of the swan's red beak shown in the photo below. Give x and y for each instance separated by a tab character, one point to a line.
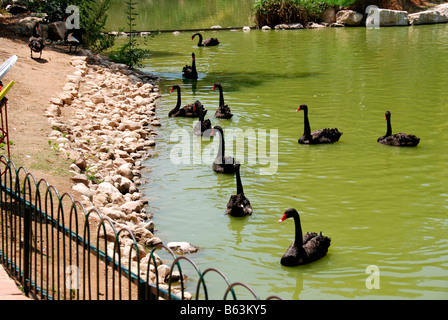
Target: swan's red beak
213	87
284	216
298	109
172	89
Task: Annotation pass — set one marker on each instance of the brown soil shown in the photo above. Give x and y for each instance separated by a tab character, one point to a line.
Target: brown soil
36	82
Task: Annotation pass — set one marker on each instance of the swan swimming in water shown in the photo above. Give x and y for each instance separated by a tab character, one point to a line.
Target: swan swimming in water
238	205
209	42
399	139
304	249
319	136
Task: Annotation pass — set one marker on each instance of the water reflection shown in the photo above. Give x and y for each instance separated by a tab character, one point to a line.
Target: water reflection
180	14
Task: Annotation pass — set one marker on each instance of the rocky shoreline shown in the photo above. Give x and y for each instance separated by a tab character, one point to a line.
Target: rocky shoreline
104	121
385	18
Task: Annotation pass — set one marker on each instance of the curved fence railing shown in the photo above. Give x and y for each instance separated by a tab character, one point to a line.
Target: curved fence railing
59	250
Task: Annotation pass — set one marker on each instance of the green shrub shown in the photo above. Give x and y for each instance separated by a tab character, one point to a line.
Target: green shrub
93	19
273	12
92	13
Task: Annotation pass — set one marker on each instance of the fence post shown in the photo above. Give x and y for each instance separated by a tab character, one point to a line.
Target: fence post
141	287
26	248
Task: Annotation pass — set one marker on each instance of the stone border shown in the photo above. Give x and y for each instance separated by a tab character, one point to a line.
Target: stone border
386	17
103	121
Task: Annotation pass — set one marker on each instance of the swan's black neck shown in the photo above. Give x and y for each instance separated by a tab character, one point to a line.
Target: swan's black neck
221	96
239	185
389	126
221	149
178	104
306	124
200	39
193	66
298	241
35	33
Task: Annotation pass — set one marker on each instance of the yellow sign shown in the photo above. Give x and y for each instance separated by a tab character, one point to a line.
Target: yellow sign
6	89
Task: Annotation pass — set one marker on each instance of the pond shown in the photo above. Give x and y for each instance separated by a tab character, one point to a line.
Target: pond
385	208
178	14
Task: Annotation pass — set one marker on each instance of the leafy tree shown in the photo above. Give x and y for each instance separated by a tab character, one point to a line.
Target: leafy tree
93	19
92	13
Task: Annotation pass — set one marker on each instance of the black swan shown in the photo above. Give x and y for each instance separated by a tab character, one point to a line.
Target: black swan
318	136
36	42
223	110
74	38
238	205
16	8
399	139
190	72
190	110
207	42
203	127
222	164
306	249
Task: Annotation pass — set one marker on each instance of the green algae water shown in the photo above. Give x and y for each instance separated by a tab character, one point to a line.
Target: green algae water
385	208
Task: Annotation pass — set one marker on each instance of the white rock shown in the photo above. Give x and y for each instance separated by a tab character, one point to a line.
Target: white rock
348	17
107	188
163	271
131	252
80	178
57	101
54	110
75	168
123	184
182	247
285	26
132	206
390	18
114	214
97	98
125	170
439	14
83	189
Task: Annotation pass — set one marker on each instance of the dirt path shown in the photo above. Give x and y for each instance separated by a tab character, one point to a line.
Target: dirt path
36	82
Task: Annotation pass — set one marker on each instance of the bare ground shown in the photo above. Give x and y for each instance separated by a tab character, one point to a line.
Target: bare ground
36	82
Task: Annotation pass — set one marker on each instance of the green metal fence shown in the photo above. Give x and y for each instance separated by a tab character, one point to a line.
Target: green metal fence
59	251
